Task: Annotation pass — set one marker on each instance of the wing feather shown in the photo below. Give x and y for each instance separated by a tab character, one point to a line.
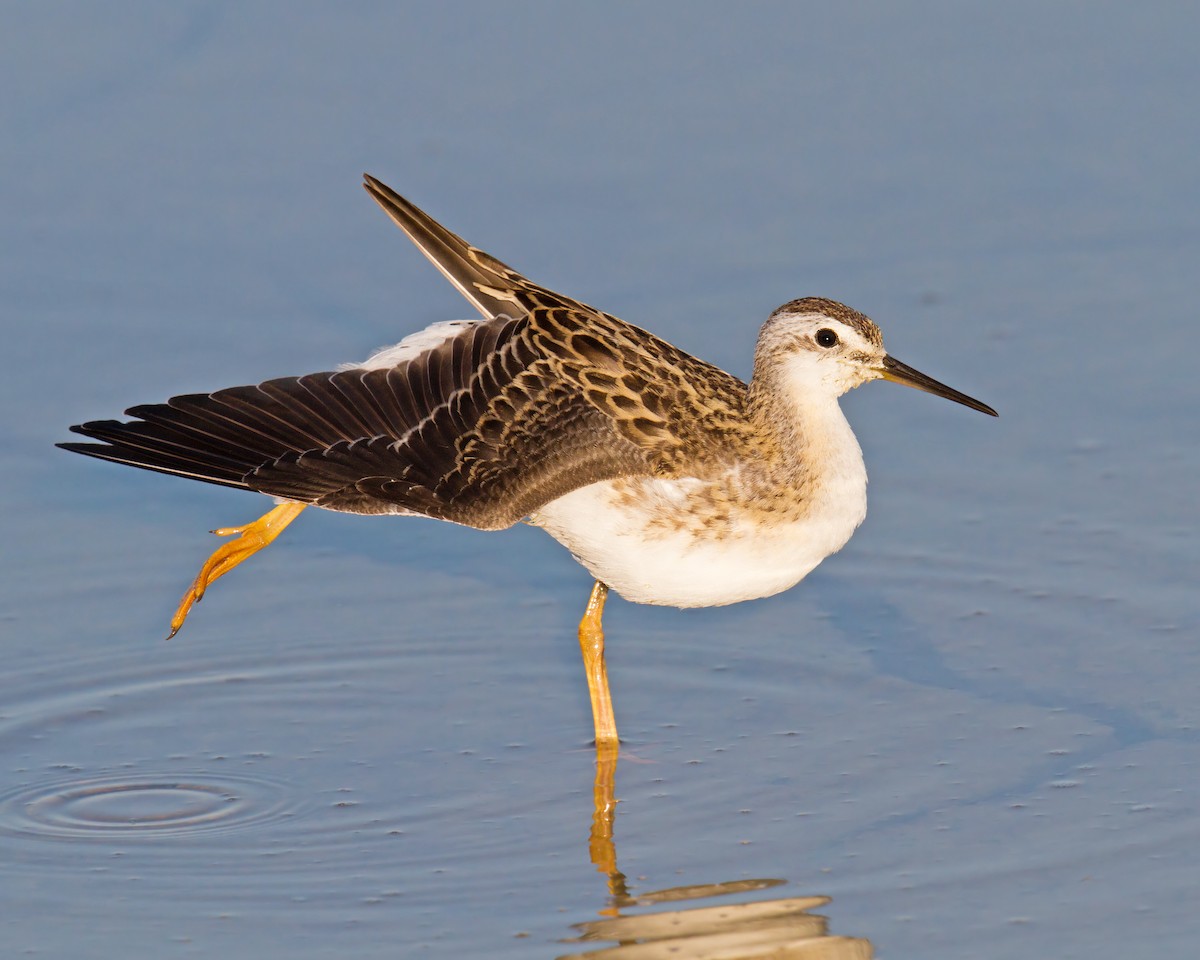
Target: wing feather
476	422
475	275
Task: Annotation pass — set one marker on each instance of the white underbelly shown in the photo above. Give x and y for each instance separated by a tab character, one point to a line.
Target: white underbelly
631	544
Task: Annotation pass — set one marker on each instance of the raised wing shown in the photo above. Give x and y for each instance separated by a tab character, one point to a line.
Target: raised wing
478	423
493	288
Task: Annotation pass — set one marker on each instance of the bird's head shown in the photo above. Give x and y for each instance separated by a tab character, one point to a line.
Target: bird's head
822	345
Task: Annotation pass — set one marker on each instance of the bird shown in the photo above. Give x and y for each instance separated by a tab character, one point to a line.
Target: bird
671	481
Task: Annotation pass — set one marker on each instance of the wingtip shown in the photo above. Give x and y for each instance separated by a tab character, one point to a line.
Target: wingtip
75	446
89	430
376	188
101	451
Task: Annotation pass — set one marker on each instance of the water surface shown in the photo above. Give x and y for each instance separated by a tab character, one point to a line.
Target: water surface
974	729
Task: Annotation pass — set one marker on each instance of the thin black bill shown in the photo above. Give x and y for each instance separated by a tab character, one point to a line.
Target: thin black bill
899	372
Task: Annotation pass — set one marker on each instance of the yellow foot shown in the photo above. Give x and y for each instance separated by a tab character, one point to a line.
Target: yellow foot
251	538
591	642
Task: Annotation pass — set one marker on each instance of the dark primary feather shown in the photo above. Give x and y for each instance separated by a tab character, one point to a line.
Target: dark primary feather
493	288
507	414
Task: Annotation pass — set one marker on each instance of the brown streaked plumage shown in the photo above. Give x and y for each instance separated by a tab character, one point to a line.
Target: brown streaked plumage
668	478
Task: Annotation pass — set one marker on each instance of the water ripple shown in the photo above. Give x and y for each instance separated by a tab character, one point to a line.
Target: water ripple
107	808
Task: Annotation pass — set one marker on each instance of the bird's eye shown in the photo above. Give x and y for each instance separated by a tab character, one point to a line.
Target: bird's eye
826	337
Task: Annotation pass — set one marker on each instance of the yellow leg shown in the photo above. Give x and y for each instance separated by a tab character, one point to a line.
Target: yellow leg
591	642
251	538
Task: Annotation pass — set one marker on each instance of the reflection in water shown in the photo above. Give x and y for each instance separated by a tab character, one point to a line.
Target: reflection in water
780	929
203	825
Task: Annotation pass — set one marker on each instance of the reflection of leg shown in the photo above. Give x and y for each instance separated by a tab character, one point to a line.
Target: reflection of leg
601	848
251	538
591	642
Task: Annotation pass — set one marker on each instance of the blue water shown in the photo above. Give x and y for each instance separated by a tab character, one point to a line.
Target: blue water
974	729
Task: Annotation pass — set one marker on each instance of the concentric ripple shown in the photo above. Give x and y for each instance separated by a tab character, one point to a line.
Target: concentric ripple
111	807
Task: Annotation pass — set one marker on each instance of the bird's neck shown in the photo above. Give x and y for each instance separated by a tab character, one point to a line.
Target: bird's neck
813	439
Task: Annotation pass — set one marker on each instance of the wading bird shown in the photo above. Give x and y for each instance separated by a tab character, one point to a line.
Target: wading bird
670	480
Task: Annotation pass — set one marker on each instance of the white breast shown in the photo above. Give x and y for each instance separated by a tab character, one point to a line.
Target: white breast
621	531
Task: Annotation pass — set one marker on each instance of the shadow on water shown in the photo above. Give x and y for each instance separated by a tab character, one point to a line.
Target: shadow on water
899	646
781	928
